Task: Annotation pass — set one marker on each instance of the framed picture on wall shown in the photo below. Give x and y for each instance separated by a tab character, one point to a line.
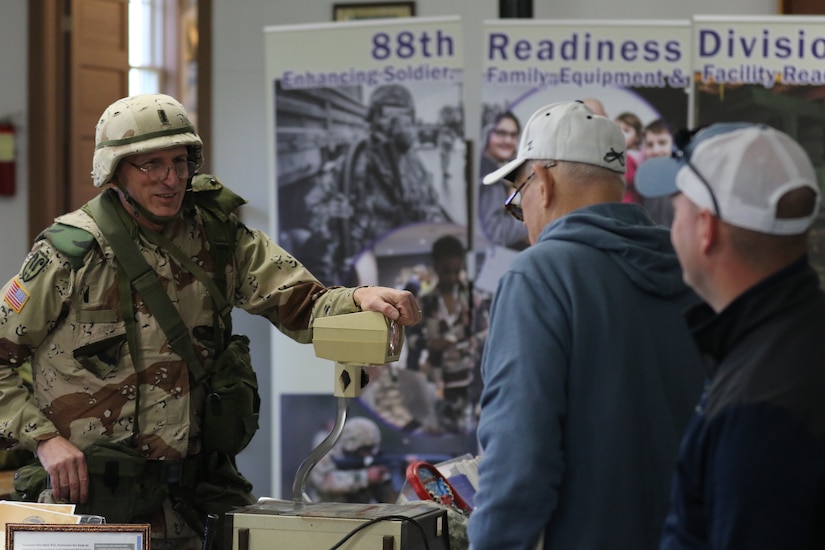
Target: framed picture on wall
801	7
372	10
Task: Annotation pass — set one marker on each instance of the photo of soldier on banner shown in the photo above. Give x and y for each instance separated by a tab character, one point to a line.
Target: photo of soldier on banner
368	162
367	463
357	162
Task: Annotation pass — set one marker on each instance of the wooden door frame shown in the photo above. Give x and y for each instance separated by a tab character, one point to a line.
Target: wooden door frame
48	104
801	7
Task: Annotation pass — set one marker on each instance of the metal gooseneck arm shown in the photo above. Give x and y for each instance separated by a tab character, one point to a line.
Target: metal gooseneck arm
298	495
354	341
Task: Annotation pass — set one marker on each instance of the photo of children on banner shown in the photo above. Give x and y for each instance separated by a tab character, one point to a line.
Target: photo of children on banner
451	337
345	181
434	387
631	127
658	140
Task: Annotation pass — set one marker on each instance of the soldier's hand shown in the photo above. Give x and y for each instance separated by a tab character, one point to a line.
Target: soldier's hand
399	305
66	466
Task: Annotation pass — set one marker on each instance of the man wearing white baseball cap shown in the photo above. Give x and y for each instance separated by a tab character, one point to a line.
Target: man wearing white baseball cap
751	470
590	374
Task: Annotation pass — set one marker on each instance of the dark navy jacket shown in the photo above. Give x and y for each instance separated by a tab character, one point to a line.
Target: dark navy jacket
751	472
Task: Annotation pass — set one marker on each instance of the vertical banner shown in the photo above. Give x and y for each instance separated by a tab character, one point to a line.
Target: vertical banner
635	72
368	172
769	70
368	135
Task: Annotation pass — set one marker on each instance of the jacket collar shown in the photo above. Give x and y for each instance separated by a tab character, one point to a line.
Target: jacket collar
715	334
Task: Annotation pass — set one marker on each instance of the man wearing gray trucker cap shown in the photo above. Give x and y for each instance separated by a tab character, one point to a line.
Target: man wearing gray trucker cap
751	471
589	371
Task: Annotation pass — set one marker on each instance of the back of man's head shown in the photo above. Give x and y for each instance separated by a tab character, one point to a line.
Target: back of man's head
570	132
751	176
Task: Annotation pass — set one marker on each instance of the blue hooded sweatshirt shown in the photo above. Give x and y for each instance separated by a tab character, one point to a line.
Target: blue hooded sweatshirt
590	377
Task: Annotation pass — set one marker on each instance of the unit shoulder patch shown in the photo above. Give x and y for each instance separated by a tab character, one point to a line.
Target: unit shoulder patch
35	264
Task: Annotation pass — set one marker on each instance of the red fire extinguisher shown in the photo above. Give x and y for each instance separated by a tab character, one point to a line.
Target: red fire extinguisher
7	175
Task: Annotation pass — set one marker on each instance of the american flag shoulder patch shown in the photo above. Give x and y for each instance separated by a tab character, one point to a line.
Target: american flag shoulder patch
16	295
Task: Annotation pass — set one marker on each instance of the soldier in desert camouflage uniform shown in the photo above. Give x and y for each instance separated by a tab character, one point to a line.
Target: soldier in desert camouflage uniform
64	311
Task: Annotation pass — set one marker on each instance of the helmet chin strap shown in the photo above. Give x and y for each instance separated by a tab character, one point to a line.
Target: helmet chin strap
139	210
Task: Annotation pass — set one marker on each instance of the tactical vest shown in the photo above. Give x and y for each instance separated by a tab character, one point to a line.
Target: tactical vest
231	413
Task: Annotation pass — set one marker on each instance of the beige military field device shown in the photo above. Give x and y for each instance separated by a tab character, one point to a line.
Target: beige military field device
355	341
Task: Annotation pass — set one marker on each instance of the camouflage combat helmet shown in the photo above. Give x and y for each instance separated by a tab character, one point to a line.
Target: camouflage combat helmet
360	432
140	124
390	95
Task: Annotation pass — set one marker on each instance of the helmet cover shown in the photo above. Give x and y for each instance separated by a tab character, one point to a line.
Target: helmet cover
141	124
392	96
360	432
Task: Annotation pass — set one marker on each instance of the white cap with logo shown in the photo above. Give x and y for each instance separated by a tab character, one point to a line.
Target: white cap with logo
567	131
741	169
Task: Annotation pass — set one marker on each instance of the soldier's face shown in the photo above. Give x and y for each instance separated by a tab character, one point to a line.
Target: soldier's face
402	132
152	179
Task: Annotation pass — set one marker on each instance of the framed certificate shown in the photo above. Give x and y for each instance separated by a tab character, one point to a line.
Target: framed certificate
372	10
31	536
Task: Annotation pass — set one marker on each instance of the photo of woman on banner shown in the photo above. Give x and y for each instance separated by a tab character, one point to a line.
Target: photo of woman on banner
500	139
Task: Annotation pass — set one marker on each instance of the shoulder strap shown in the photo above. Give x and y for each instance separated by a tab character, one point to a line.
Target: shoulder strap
217	293
216	204
144	279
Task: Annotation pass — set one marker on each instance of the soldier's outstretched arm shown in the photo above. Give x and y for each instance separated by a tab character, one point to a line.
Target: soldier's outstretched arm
273	283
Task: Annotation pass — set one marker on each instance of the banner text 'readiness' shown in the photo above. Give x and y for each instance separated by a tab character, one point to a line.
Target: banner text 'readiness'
581	47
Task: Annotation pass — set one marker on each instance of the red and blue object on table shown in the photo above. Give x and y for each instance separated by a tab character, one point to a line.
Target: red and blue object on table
429	484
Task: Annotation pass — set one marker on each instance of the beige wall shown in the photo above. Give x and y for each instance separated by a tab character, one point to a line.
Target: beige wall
13	210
